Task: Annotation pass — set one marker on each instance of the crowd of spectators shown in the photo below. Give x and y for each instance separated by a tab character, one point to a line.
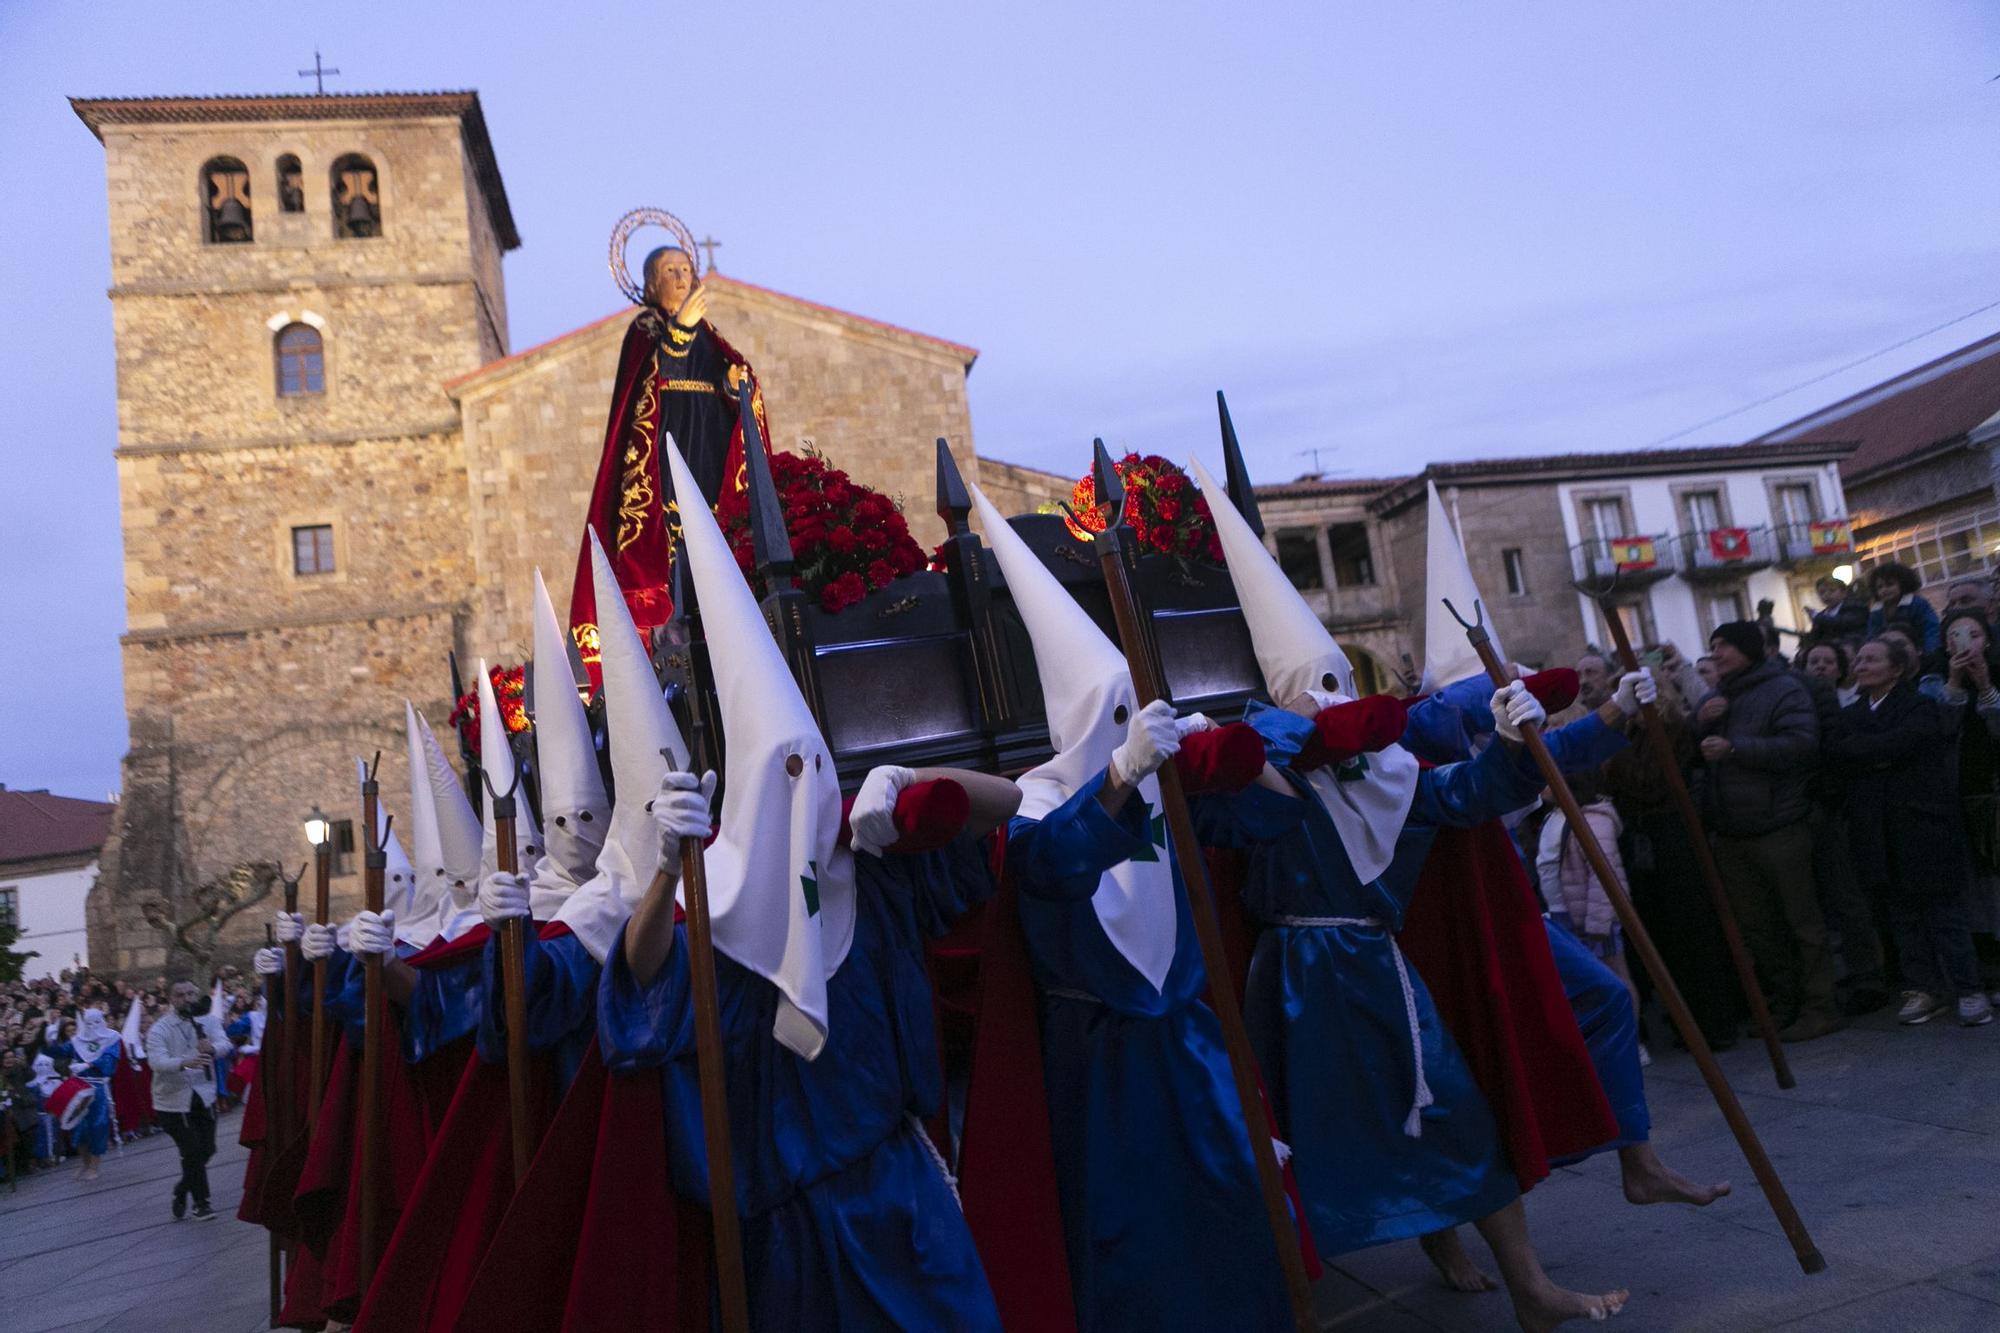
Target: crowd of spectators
1851	792
40	1021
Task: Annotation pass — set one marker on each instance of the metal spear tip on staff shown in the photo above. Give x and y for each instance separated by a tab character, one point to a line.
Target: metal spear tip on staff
732	1290
1809	1257
1148	683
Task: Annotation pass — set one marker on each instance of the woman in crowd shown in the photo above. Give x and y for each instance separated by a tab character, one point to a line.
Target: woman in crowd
1893	748
1970	667
1826	661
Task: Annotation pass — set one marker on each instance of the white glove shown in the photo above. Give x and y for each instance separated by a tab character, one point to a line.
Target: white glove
268	962
502	897
1150	740
1323	699
316	942
1185	727
680	810
873	817
1636	689
372	932
290	925
1512	705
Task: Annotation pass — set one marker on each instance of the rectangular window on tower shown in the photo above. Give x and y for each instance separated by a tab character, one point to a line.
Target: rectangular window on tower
343	846
1353	561
10	906
312	549
1298	556
1517	571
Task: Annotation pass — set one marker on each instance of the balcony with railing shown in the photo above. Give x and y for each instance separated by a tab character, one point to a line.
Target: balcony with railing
1813	544
1600	564
1726	553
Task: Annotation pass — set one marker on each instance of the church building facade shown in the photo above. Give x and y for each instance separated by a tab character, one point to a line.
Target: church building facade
332	472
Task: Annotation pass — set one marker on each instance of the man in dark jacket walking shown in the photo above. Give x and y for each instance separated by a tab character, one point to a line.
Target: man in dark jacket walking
1760	742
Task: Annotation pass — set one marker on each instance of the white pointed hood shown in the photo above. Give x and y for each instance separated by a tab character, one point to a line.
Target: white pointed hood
128	1036
445	833
502	774
639	725
780	889
1088	696
1369	799
1448	657
574	805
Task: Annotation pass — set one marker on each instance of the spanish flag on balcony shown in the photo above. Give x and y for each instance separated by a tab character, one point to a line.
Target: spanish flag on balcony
1830	536
1632	553
1729	543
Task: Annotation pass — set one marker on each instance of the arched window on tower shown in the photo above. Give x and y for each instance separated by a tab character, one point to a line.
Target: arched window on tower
225	199
291	184
301	360
357	206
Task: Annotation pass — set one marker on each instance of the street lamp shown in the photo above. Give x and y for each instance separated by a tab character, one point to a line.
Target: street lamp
318	828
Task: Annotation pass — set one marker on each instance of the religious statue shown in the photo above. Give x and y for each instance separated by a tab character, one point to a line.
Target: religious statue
676	377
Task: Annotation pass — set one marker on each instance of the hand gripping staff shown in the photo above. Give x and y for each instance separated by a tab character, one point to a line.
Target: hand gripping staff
1114	552
1808	1254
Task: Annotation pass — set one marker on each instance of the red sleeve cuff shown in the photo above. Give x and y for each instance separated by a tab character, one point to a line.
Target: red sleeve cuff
1555	688
1360	727
1225	759
928	815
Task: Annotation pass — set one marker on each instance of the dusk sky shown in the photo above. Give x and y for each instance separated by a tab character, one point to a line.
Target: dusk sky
1395	233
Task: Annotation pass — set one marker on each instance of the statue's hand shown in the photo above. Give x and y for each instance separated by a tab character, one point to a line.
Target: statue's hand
694	309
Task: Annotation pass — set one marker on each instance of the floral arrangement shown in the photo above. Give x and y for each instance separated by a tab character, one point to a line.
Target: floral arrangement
1165	511
510	689
847	540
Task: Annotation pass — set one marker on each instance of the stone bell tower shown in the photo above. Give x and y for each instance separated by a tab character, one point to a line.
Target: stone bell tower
293	278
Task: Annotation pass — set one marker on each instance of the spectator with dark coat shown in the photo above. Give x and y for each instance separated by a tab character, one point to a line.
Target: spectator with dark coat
1896	751
1843	903
1897	597
1759	744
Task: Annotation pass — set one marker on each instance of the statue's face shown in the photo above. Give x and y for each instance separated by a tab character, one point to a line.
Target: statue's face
669	278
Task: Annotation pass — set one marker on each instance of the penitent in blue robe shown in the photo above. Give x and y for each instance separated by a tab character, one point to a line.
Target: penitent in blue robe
1330	1016
93	1133
1446	726
562	1002
1162	1215
850	1223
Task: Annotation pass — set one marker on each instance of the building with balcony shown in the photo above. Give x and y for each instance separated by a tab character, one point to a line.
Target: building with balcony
1921	479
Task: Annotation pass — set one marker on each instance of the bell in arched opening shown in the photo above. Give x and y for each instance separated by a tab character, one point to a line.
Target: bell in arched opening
226	201
357	207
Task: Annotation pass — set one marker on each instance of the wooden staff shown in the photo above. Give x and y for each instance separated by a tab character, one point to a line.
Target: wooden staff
1147	684
322	890
1808	1254
513	979
374	1032
733	1293
267	1072
1746	972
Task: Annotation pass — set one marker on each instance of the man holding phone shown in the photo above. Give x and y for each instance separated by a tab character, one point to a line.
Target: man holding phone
183	1064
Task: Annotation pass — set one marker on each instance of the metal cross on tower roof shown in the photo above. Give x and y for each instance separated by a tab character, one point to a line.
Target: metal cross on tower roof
318	72
709	246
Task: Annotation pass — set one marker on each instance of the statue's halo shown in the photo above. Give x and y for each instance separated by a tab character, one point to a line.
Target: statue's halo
621	236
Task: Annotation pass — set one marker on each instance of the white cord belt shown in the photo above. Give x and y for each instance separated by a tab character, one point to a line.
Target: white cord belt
1412	1123
924	1137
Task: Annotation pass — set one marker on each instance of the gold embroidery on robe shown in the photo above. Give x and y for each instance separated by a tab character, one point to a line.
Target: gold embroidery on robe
636	494
586	640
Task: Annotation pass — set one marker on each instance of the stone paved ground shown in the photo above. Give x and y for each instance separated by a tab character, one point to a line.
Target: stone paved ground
1890	1145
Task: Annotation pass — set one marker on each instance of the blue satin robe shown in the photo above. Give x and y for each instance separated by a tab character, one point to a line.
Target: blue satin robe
1446	726
850	1224
562	1002
1327	1015
445	1003
1162	1214
93	1133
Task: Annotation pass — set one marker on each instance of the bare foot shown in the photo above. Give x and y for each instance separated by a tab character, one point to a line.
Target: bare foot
1548	1305
1444	1249
1647	1179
